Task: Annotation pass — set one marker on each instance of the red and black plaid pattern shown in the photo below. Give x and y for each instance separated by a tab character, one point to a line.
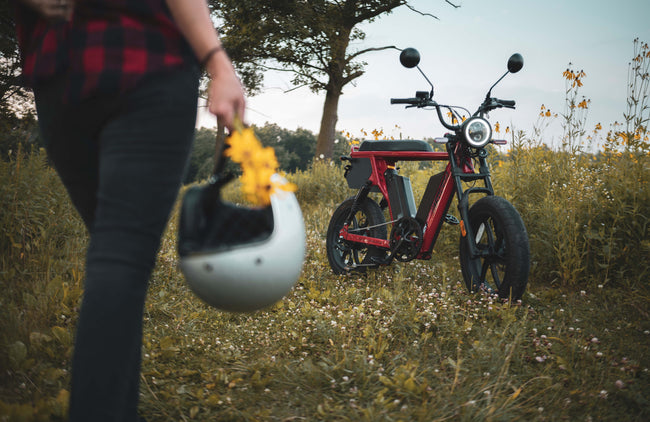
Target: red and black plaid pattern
107	47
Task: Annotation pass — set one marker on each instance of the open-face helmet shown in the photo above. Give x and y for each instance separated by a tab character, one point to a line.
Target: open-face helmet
238	258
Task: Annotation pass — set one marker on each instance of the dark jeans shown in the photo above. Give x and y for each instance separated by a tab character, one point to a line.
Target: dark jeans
121	159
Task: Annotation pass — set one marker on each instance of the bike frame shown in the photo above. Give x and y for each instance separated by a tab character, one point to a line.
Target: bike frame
460	168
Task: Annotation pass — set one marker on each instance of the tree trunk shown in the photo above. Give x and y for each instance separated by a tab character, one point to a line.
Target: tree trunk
327	133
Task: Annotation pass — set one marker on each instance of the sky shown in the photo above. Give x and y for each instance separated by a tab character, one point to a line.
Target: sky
463	53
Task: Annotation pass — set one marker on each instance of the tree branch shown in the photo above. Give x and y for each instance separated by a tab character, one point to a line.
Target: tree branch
421	13
367	50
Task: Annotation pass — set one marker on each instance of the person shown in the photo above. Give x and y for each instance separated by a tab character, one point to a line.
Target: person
116	89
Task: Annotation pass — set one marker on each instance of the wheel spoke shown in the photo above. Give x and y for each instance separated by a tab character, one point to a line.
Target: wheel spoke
484	270
495	275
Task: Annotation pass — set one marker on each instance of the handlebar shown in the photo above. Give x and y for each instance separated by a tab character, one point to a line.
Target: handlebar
411	101
425	101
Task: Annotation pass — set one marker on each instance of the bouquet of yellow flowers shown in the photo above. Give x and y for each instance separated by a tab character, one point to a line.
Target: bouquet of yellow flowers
258	165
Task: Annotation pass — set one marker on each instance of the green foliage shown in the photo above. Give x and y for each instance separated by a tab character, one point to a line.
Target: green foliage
41	267
202	155
310	39
294	150
17	133
16	111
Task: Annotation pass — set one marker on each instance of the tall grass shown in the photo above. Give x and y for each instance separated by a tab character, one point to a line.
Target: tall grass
41	267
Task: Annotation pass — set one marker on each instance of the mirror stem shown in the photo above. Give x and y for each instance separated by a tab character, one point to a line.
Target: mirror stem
495	84
427	79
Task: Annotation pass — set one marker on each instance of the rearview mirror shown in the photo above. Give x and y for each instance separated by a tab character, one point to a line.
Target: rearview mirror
515	63
409	57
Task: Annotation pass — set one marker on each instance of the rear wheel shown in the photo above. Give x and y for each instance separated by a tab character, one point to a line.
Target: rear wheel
501	241
344	256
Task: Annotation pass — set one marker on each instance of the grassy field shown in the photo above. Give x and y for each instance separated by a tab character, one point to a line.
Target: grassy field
406	342
401	343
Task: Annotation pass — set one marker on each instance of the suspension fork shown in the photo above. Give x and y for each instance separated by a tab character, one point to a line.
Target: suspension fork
463	171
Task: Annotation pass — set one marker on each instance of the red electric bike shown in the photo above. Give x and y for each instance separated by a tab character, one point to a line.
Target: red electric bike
494	250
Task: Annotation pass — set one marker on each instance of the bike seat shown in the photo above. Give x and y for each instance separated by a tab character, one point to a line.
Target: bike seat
408	145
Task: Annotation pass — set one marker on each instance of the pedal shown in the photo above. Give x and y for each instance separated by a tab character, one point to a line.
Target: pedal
450	219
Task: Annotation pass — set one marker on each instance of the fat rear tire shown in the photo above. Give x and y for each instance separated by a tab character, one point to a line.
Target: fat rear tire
343	256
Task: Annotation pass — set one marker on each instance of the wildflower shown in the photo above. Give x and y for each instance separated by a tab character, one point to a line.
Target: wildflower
258	165
496	127
619	384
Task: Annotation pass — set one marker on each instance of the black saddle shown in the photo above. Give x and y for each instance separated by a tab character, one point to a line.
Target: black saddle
408	145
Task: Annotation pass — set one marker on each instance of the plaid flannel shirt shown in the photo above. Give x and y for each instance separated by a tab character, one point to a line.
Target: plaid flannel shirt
108	46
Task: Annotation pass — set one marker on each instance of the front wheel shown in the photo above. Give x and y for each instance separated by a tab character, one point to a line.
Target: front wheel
503	256
368	221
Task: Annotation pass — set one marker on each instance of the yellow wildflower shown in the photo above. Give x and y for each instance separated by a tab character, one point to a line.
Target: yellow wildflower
496	127
258	165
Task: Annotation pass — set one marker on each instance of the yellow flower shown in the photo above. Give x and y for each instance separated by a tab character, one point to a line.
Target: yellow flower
496	127
258	164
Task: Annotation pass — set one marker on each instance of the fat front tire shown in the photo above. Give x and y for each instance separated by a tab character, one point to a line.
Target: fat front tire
368	221
501	240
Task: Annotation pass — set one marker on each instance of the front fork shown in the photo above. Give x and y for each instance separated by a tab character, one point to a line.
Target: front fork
464	172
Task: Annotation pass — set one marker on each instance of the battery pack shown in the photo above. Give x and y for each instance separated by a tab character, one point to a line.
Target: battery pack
400	195
429	196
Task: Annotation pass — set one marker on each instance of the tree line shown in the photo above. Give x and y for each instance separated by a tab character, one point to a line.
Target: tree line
294	150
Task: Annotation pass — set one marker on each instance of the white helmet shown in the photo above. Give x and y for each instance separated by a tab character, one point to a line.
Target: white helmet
236	258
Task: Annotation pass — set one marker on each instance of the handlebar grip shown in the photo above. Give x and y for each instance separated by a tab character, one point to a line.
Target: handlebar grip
507	103
404	100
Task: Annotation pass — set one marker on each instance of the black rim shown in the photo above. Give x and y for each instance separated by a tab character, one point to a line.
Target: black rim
347	255
489	269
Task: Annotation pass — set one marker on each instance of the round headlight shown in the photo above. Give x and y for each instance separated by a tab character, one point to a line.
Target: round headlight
477	132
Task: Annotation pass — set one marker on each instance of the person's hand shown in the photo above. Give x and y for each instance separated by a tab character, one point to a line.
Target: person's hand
225	93
52	9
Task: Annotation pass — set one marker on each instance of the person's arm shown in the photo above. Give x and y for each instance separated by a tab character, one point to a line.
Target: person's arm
225	93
